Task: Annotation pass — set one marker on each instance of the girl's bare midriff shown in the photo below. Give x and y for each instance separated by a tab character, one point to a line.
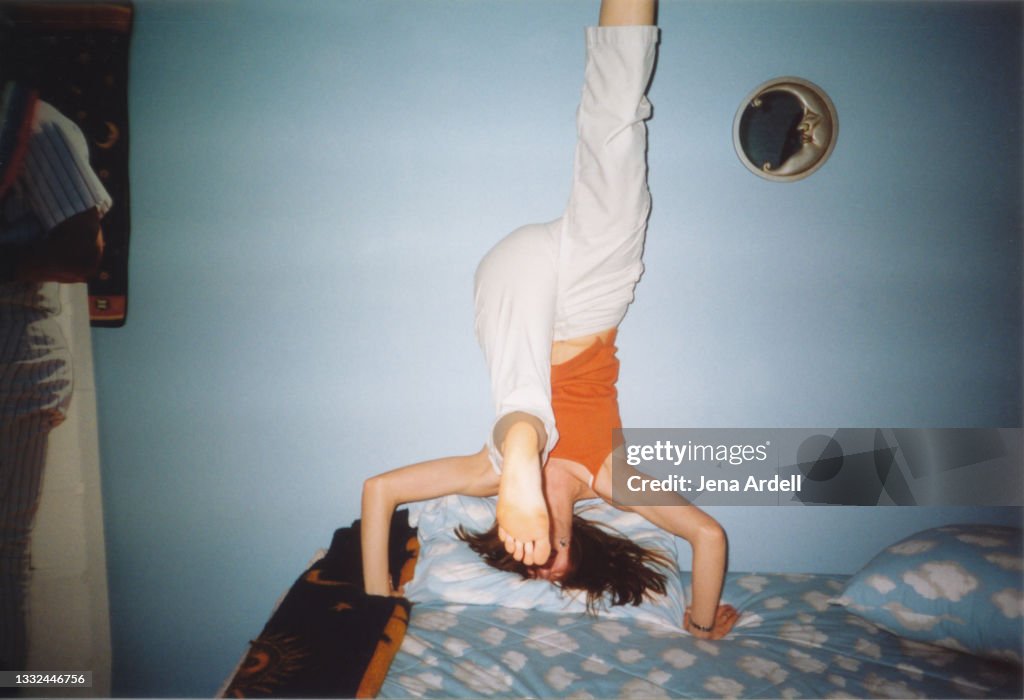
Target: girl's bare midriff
565	350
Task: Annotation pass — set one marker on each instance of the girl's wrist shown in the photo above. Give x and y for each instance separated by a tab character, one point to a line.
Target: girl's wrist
700	628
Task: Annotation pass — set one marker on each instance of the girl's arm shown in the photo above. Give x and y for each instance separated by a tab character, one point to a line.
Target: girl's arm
470	475
706	537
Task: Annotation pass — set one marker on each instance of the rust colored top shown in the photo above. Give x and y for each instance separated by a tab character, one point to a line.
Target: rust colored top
586	405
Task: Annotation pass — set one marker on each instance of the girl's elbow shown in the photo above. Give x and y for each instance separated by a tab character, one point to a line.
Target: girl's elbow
374	489
711	535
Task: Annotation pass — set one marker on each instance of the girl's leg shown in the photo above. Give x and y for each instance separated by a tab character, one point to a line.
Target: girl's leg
625	12
606	219
514	299
515	288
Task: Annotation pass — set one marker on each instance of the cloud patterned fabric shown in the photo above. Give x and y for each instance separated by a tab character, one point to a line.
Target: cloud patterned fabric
956	586
790	643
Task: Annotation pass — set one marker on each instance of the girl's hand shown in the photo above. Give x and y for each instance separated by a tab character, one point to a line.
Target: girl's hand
725	618
398	592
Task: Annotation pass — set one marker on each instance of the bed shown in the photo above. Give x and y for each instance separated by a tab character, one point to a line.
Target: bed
935	615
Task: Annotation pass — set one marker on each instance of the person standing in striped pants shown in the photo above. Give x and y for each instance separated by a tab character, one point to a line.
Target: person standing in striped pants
51	204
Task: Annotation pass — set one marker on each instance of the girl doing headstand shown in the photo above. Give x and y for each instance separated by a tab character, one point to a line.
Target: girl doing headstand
549	299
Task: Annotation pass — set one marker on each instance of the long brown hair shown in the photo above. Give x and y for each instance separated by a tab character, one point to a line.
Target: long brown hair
602	562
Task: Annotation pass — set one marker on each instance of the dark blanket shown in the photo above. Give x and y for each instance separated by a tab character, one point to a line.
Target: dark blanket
76	55
328	638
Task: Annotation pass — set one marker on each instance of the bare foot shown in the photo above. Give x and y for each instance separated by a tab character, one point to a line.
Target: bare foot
522	513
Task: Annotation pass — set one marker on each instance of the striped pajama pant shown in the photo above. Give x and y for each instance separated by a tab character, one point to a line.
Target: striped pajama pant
55	182
35	387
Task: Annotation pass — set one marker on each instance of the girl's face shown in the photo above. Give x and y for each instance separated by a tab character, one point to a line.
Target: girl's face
555	568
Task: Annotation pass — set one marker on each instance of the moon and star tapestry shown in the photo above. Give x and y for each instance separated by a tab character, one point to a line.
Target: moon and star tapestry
76	56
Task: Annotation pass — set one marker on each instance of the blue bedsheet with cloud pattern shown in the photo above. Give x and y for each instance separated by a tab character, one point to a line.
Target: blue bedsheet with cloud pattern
791	642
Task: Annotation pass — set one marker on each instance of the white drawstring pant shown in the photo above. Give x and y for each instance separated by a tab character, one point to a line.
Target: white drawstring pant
574	276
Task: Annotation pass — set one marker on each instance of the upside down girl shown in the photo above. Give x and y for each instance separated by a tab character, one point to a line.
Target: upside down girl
548	301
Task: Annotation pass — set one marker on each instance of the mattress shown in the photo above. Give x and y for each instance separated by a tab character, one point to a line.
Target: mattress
790	643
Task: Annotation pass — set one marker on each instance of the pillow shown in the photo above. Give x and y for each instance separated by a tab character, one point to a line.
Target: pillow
449	571
957	586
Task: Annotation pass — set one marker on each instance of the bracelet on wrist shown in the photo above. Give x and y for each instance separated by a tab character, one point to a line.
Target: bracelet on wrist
701	628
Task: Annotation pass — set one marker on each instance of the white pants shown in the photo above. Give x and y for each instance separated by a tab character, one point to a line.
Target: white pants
574	276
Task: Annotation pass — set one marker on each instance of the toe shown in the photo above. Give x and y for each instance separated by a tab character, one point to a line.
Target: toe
510	542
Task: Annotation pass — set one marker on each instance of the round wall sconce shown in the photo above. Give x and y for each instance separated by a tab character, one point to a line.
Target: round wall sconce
785	129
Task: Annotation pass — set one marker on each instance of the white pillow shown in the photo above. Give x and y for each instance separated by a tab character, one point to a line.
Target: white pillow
448	571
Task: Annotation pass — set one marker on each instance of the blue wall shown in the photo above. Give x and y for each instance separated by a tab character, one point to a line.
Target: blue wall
314	182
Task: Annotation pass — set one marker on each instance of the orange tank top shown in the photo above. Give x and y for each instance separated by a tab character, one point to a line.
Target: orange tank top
586	405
